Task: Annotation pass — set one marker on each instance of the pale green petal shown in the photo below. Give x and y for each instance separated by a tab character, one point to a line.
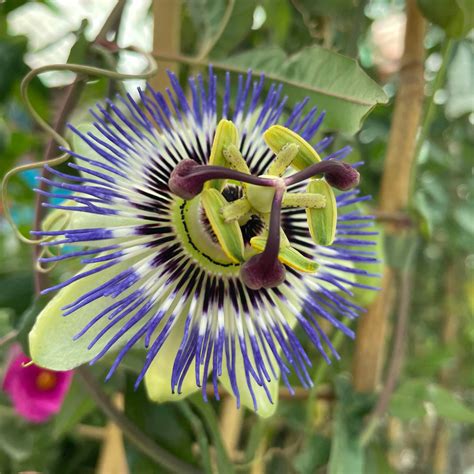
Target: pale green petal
350	277
51	339
158	375
82	148
60	219
265	408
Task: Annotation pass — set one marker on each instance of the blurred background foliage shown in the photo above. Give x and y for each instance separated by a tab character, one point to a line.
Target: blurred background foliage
430	421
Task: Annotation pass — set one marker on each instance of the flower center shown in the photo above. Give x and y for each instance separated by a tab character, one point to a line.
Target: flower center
46	380
217	217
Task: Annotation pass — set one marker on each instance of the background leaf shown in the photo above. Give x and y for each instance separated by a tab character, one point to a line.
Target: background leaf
454	16
335	83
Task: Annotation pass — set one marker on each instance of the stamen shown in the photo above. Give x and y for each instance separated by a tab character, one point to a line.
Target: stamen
235	159
305	200
264	270
236	210
283	159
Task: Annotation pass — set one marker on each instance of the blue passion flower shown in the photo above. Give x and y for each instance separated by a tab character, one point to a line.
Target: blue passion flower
208	230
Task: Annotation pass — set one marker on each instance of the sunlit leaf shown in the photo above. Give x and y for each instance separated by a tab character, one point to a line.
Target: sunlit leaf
334	83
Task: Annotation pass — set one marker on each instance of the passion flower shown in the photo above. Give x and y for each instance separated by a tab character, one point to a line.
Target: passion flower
206	234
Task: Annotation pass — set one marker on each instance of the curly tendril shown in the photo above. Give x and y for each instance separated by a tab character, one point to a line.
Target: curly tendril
79	69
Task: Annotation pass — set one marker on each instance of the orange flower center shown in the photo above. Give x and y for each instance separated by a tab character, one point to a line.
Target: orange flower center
46	380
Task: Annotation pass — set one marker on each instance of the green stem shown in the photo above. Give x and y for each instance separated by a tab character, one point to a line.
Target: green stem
319	374
430	107
224	464
200	433
139	439
256	436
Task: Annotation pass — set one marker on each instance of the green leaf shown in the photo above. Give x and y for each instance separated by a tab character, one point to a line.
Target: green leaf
333	82
12	50
17	290
15	440
347	454
460	82
454	16
207	16
75	407
162	422
408	402
449	406
314	455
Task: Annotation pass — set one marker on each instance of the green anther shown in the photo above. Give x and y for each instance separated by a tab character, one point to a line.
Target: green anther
287	255
228	234
261	197
235	159
322	222
226	135
235	210
304	200
283	159
278	136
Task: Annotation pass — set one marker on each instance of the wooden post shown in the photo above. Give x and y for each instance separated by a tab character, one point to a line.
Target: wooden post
395	193
166	37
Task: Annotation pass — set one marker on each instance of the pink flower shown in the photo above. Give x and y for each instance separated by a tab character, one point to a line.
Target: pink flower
36	393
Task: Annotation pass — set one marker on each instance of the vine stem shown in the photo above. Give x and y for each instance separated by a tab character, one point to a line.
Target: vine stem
394	197
430	107
319	374
130	430
69	102
396	359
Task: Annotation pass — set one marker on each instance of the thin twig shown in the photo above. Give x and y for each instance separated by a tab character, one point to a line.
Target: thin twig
398	219
199	433
9	336
209	46
396	359
130	430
